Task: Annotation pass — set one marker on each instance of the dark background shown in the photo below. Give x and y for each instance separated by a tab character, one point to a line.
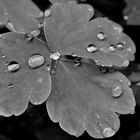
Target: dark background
35	124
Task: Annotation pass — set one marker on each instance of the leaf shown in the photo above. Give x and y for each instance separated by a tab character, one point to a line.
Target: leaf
55	1
75	34
21	14
24	84
82	99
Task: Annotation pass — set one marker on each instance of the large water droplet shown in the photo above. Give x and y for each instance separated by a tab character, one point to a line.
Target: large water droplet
55	56
108	132
120	46
116	91
91	48
36	60
13	66
101	36
10	85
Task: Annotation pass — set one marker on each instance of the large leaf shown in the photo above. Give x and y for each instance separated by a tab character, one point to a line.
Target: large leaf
19	86
82	98
21	14
69	31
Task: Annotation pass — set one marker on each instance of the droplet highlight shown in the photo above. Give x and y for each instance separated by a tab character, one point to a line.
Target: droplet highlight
13	66
91	48
101	36
111	48
117	91
55	56
108	132
36	61
120	46
10	85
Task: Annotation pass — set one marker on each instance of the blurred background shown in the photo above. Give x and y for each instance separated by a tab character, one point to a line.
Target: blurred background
35	124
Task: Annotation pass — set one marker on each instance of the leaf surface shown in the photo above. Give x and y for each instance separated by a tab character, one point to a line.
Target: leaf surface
25	84
21	14
70	26
81	99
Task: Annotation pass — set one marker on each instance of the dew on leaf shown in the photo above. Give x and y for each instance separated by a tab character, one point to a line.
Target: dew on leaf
116	91
36	60
120	46
55	56
10	85
47	13
111	48
103	69
77	63
125	63
101	36
91	48
29	37
35	33
108	132
13	66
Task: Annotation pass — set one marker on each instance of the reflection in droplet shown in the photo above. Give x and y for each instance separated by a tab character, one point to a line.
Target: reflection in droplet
36	60
13	66
108	132
101	36
120	46
55	56
91	48
111	48
10	85
117	91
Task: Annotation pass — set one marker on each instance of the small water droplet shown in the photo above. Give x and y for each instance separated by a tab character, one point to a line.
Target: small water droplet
103	69
29	37
101	36
36	60
3	55
108	132
125	63
47	13
120	46
132	112
10	85
91	48
111	48
117	91
77	63
35	33
13	66
55	56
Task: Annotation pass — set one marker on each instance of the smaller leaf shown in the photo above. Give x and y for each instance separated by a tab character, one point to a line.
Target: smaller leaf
19	82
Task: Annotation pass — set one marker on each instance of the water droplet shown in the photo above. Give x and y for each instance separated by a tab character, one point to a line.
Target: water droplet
55	56
3	55
77	63
13	66
108	132
125	63
111	48
101	36
35	33
29	37
91	48
103	69
47	13
36	60
10	85
117	91
132	112
120	46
